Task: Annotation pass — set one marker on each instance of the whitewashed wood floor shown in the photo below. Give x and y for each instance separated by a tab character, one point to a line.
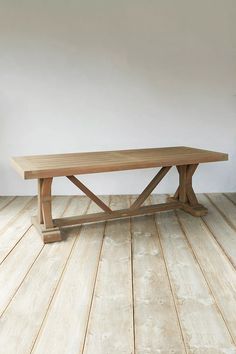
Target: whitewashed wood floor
146	285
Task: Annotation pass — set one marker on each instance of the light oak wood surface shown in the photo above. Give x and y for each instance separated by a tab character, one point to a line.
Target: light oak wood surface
45	166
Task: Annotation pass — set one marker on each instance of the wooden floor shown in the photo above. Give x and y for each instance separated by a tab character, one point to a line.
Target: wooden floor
146	285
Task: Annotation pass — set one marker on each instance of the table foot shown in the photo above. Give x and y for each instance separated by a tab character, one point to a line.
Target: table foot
195	210
48	235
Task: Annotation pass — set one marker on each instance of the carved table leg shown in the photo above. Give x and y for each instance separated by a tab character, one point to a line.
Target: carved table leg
185	193
40	213
44	222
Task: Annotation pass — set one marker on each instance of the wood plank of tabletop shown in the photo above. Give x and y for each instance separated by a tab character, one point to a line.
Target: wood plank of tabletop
203	328
43	166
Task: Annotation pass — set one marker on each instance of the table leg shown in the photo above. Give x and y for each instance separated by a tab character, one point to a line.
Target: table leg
44	222
40	213
185	193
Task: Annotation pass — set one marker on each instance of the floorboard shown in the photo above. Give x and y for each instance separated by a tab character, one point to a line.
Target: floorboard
110	327
217	270
77	287
11	211
33	298
221	227
156	321
156	284
203	327
4	201
16	229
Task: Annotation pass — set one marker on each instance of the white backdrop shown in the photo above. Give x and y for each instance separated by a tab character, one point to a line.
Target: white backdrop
101	75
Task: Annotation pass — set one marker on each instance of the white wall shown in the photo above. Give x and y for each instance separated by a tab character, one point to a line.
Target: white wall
99	75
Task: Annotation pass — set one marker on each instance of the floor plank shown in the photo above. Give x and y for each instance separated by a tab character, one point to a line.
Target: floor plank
157	327
16	266
73	313
110	328
13	210
218	271
4	201
225	206
30	304
16	229
203	327
231	196
222	231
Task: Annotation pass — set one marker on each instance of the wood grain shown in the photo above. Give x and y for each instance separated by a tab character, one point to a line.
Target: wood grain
29	306
218	224
156	322
203	327
231	196
225	207
11	211
16	229
44	166
122	213
110	328
218	271
4	201
74	313
15	267
161	288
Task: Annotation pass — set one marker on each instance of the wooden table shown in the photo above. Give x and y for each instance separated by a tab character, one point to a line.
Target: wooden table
46	167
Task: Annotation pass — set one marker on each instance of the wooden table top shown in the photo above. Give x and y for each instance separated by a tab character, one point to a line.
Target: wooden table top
43	166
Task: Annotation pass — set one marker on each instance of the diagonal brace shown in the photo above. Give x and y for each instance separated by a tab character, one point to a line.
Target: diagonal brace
150	187
89	193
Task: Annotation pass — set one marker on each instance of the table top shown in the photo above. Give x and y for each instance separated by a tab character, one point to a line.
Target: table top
43	166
